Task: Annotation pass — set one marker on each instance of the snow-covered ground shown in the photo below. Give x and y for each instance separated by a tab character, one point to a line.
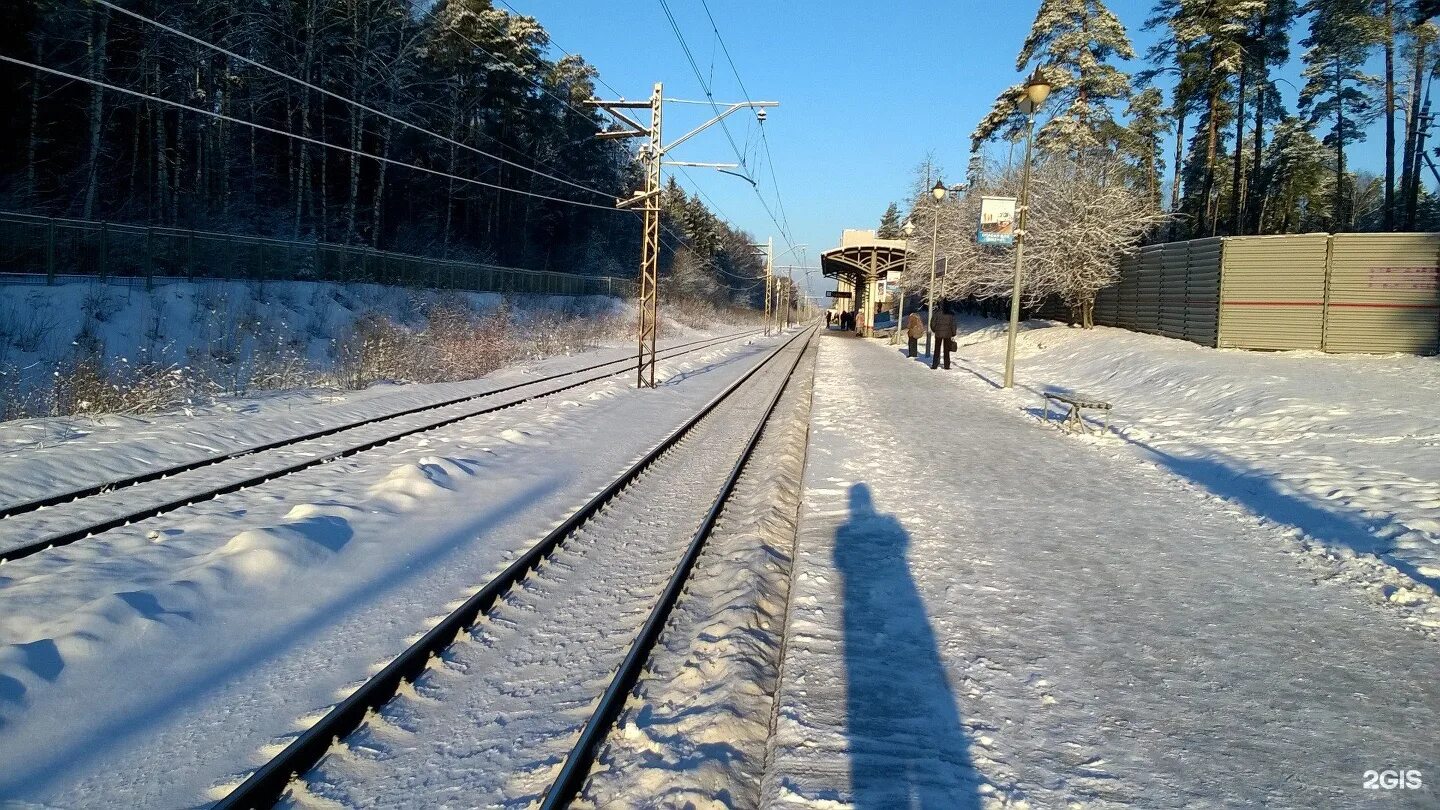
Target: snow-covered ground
222	337
153	665
987	612
1343	449
491	722
1228	600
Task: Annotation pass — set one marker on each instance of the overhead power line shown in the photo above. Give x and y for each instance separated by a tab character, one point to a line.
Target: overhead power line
699	76
338	97
221	49
781	222
764	139
263	128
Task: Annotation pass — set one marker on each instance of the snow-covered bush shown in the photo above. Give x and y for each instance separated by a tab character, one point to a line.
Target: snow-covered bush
1082	219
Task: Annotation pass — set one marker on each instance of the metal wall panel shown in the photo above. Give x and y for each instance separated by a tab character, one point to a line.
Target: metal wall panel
1157	286
1347	293
1384	293
1272	292
1202	291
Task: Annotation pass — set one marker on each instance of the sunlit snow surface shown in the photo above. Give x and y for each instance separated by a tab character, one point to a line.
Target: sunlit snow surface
156	664
988	612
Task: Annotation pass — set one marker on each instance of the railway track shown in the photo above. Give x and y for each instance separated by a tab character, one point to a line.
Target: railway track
64	518
638	539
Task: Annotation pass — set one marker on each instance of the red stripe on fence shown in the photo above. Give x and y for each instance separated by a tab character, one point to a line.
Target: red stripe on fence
1382	305
1355	304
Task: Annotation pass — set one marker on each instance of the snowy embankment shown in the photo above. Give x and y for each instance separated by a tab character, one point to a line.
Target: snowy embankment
1343	450
153	665
87	346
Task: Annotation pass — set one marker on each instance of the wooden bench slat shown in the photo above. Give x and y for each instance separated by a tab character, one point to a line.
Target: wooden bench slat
1074	399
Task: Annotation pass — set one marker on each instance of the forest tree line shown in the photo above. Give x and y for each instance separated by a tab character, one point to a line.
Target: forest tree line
498	112
1241	162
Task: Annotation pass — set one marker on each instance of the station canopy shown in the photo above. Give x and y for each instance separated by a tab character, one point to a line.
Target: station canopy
863	255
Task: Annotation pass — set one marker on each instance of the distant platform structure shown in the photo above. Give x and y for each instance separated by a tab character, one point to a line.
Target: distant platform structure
862	266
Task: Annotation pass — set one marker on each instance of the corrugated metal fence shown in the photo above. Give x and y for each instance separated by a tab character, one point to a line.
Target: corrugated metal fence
1351	292
56	247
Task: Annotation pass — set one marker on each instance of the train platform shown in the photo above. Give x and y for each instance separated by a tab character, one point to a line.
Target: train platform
987	611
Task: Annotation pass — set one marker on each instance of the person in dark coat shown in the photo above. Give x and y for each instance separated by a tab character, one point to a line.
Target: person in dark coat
829	316
942	326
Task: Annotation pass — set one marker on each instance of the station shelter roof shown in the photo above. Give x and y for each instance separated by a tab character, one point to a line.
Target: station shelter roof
861	254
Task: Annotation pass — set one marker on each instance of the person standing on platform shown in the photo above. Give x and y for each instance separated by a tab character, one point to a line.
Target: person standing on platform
942	326
914	330
829	316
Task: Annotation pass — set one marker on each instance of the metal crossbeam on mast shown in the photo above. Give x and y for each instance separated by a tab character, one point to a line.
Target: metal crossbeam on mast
652	156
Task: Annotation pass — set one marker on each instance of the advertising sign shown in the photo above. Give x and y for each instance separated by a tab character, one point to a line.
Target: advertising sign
997	221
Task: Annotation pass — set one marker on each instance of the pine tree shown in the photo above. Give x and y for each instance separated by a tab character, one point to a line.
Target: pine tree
1269	48
1141	141
1295	173
1417	53
1337	90
890	223
1072	43
1208	37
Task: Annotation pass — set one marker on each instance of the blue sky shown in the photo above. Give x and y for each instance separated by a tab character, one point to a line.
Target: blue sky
866	89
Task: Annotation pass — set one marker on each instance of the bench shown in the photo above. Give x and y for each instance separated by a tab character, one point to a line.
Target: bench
1073	421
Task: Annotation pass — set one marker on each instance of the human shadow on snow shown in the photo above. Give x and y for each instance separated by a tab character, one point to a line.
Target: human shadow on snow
907	746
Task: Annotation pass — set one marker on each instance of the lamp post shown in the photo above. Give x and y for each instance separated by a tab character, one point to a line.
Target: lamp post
1036	91
909	229
938	192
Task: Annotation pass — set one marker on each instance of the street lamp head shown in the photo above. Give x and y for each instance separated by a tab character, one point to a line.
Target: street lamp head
1037	89
909	228
938	192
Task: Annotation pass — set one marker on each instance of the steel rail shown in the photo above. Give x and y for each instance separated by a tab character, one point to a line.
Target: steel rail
155	475
90	529
573	773
267	784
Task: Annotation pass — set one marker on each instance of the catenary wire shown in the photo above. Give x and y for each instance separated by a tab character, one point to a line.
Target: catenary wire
339	97
223	117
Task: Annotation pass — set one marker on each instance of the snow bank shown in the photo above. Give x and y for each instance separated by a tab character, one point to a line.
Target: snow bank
184	338
1344	448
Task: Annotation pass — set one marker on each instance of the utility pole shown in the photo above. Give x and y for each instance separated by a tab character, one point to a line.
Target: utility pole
652	156
790	301
769	281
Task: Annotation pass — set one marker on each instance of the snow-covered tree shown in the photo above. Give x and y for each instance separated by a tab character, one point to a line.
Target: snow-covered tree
1140	141
1296	180
1082	220
1073	43
1337	90
890	223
